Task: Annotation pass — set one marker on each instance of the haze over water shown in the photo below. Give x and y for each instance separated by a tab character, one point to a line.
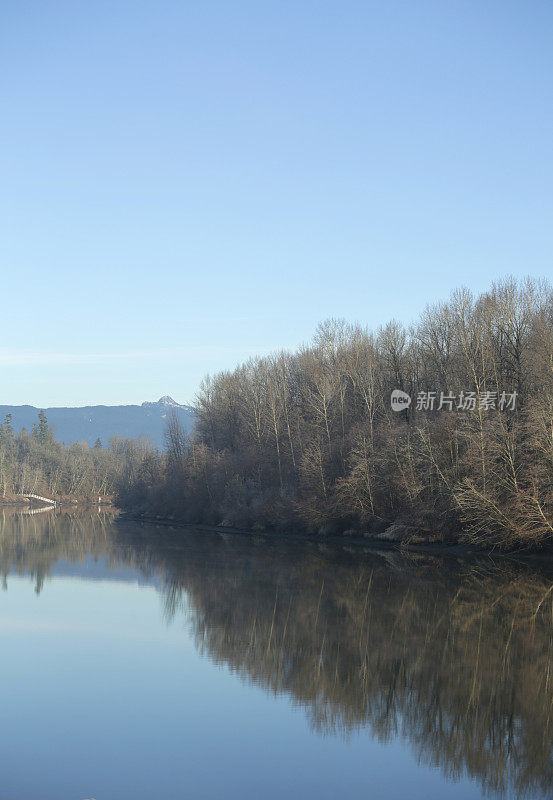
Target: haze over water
140	662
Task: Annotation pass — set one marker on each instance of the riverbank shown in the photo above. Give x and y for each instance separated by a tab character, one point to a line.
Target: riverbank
64	500
357	541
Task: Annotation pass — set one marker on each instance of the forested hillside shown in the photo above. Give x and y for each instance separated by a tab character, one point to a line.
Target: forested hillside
89	423
309	440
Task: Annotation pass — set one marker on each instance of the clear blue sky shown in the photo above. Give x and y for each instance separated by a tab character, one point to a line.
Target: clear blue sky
185	184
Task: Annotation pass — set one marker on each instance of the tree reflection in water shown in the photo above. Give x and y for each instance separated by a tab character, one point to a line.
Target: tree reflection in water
454	655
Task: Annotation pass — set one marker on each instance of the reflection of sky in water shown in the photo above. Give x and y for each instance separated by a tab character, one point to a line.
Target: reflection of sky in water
103	697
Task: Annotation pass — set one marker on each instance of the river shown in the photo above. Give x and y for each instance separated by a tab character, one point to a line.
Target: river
143	663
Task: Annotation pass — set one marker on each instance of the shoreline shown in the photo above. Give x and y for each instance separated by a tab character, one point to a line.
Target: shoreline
354	541
369	542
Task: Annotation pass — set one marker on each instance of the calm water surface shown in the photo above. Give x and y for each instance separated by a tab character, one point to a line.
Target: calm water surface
140	663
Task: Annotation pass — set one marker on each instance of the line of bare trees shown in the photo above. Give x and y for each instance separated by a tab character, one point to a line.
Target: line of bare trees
33	461
308	440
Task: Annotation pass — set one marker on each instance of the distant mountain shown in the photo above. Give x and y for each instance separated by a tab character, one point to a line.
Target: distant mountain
88	423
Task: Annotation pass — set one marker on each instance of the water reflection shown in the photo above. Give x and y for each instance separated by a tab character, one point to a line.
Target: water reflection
453	655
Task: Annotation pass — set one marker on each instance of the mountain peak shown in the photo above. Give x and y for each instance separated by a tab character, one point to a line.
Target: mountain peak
166	400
